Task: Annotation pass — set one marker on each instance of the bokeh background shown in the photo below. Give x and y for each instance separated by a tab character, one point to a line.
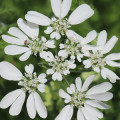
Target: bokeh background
106	17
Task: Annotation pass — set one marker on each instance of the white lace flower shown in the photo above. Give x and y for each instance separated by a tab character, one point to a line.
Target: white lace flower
60	66
29	83
77	46
98	61
60	25
26	43
86	101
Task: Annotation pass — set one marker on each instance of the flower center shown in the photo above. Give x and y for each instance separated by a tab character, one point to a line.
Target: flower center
36	45
29	82
59	64
60	25
97	60
78	99
73	47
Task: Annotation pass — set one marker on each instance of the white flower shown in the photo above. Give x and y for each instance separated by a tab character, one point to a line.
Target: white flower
77	46
30	82
85	100
60	25
98	61
26	43
60	66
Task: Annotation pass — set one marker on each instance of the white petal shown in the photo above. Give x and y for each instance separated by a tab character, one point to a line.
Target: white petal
80	14
102	37
48	30
78	83
50	71
65	114
41	88
31	106
42	78
56	7
110	44
32	30
63	53
63	94
113	64
101	88
79	56
72	87
54	76
74	36
13	40
90	36
10	98
15	50
10	72
80	115
50	44
87	82
40	107
55	35
37	18
111	75
65	7
96	69
101	96
113	56
29	68
17	33
69	90
103	74
97	104
88	115
25	56
16	107
87	63
59	77
94	111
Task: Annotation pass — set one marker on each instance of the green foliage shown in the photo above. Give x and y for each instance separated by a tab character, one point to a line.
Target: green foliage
106	17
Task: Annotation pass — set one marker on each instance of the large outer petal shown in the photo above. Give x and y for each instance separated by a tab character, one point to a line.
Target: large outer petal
31	106
30	29
17	33
40	107
66	4
94	111
87	82
56	7
66	113
113	56
101	96
37	18
101	88
80	115
113	64
9	71
10	98
97	104
13	40
16	107
102	37
78	82
15	50
109	45
25	56
80	14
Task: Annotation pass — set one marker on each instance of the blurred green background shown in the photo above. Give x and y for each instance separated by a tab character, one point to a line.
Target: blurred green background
106	17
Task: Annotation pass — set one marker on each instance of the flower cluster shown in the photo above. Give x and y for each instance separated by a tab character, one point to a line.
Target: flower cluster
72	50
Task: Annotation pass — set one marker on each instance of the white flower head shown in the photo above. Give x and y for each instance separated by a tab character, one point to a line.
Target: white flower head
77	46
85	100
59	65
26	42
31	83
98	61
60	25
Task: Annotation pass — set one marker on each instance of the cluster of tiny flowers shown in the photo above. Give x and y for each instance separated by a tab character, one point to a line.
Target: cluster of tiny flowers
97	60
60	55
